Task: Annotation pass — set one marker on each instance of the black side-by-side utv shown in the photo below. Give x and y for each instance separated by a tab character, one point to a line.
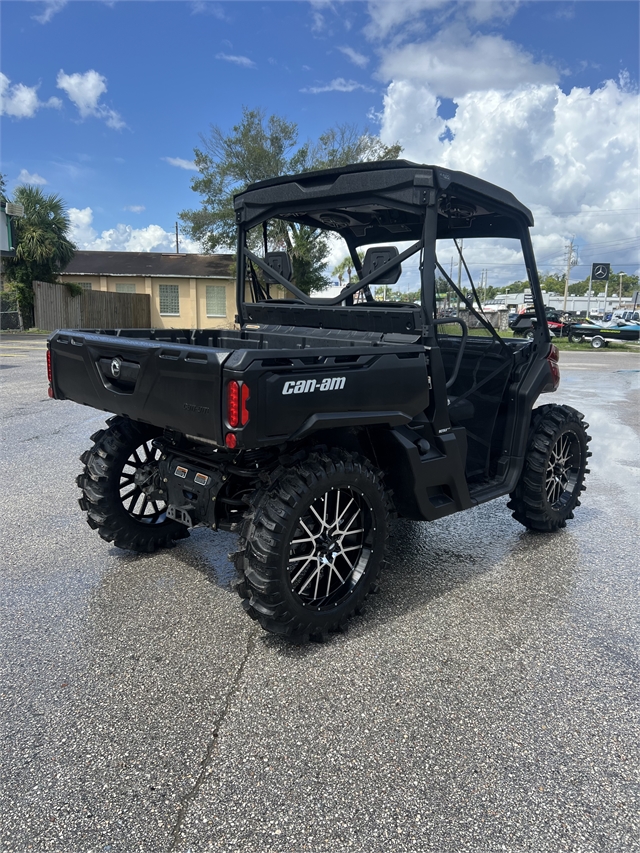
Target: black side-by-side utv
319	418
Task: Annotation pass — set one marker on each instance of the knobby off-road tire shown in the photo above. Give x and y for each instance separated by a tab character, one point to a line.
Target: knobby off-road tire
555	466
112	488
312	545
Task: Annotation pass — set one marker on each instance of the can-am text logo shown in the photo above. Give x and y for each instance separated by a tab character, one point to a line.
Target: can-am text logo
305	386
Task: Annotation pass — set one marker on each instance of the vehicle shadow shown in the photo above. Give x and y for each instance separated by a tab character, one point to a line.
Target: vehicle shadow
479	567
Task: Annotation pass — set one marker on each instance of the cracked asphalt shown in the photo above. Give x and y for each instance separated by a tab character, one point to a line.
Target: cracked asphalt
487	699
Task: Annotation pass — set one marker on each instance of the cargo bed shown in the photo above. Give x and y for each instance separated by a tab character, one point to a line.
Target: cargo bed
174	379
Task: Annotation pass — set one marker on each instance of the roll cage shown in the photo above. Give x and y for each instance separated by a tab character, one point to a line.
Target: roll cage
372	204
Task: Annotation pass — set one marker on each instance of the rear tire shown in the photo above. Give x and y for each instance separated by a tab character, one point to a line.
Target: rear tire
113	495
575	339
554	470
312	547
598	342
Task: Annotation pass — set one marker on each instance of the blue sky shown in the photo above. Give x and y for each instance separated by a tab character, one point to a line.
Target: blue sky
104	102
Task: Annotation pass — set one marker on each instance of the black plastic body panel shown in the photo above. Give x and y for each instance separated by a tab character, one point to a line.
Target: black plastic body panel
320	380
293	395
397	318
177	386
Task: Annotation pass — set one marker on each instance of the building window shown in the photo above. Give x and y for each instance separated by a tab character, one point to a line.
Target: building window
170	300
86	285
125	288
216	300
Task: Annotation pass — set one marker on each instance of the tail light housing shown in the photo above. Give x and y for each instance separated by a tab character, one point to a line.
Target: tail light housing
50	374
238	395
244	412
553	358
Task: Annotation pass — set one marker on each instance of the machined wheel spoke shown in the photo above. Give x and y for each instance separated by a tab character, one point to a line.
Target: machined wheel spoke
331	534
351	533
339	518
353	518
303	569
313	536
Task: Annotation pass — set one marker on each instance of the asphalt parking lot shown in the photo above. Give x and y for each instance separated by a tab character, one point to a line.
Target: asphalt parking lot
487	700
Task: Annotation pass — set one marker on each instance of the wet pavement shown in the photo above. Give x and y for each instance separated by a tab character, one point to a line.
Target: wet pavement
487	700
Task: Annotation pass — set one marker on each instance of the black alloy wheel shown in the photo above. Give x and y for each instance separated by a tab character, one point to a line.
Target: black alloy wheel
313	545
331	548
555	466
121	489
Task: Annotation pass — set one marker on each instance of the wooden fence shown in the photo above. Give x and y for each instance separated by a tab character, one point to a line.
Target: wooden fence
56	308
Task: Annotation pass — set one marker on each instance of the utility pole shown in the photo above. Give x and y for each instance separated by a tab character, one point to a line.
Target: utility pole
177	249
620	291
568	273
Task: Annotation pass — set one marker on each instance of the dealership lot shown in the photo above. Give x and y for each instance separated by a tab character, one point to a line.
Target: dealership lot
487	700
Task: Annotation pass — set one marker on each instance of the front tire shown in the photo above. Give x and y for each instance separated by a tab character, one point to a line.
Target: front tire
554	470
312	548
597	342
120	489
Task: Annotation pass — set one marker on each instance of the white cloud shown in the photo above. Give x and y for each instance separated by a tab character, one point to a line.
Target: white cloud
123	238
456	62
27	178
411	15
243	61
572	158
337	85
180	163
85	91
51	8
21	101
135	208
358	59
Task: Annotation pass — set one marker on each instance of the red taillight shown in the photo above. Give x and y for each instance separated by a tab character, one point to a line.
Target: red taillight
233	403
230	440
237	411
244	412
554	353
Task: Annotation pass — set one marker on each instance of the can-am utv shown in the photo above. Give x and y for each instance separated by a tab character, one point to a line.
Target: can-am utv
318	419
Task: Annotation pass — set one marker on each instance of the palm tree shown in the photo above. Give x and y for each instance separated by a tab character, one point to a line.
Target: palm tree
43	247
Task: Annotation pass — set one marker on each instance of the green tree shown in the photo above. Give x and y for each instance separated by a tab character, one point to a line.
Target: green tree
346	268
262	147
3	187
43	247
553	282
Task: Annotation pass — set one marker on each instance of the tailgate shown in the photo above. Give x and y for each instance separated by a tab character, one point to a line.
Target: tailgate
292	395
165	384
